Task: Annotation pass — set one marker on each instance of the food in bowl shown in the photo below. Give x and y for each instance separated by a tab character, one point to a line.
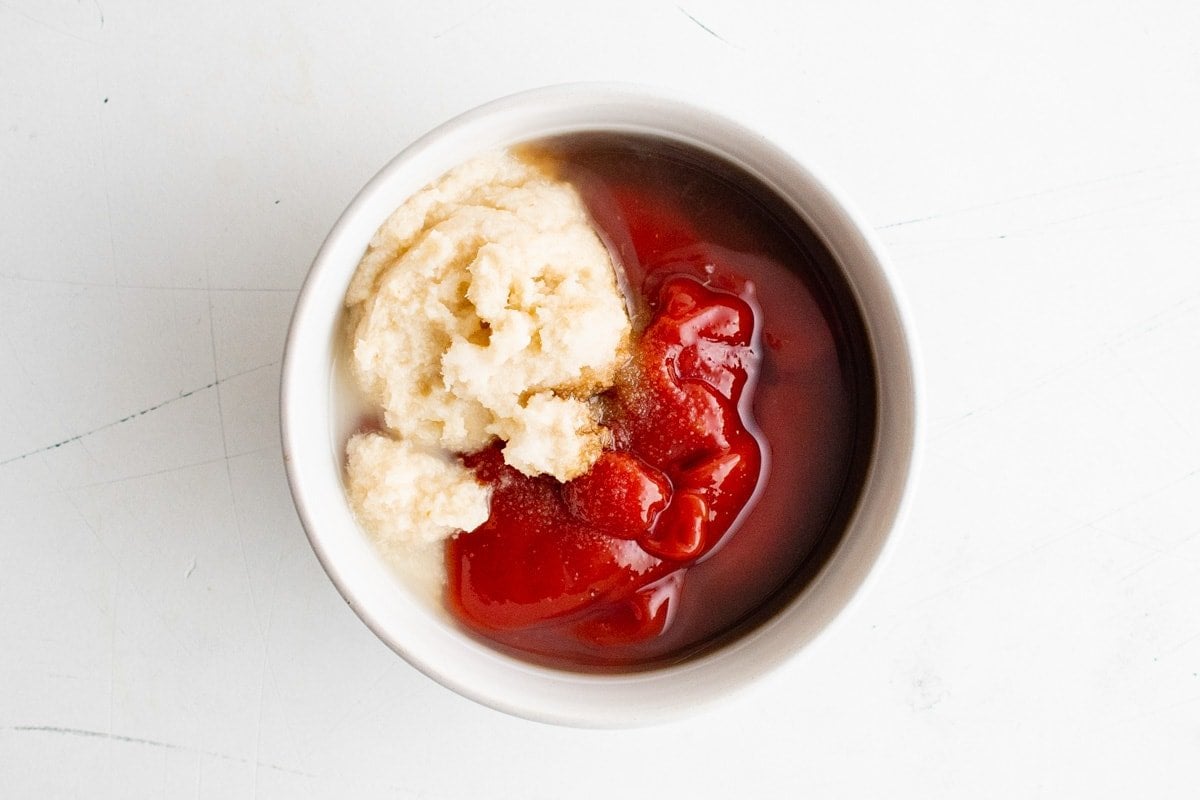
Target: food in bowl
619	398
486	308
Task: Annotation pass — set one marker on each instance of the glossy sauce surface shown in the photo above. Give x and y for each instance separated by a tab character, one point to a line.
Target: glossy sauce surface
740	428
600	560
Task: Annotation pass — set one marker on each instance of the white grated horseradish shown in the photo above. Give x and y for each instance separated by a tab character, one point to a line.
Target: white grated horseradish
485	308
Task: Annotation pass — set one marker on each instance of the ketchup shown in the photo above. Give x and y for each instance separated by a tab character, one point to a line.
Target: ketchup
602	558
688	527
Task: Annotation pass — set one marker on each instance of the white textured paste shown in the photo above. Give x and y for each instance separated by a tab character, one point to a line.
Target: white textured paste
486	307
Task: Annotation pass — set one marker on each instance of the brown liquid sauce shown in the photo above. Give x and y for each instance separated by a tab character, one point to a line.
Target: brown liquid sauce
814	401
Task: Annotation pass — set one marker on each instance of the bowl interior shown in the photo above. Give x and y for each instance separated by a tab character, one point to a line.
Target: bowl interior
315	416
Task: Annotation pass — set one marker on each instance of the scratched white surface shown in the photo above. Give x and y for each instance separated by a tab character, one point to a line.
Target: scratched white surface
168	170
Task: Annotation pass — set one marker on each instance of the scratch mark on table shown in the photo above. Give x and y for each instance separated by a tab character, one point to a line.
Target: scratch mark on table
134	415
1107	348
991	569
1153	712
99	735
112	656
116	737
237	522
143	287
921	252
185	646
1183	644
707	29
1044	228
365	698
479	12
166	470
1168	414
267	669
1141	498
16	354
102	130
45	24
1066	187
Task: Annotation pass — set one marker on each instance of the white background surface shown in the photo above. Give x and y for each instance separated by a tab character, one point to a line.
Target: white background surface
168	171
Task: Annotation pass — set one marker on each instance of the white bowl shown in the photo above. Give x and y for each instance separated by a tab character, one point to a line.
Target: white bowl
428	638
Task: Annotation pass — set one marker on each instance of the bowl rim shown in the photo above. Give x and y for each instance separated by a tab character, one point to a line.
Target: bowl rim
719	673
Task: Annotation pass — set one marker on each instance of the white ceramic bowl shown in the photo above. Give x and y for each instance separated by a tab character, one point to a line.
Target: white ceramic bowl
427	638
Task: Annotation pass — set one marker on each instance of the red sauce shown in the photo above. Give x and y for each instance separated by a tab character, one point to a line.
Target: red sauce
601	558
614	567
